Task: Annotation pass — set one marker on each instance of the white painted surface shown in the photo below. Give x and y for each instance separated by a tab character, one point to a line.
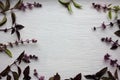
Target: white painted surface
66	43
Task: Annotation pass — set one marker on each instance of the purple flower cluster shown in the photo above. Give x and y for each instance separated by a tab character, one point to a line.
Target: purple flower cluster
23	6
36	75
107	57
104	26
113	62
27	58
115	44
4	46
111	24
99	7
20	42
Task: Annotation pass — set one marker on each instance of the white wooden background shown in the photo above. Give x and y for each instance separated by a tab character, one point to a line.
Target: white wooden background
66	43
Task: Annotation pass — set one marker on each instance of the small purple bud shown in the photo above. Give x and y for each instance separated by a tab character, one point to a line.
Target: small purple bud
113	62
10	44
41	78
94	28
93	4
110	39
98	7
106	39
111	24
16	43
103	26
107	57
37	4
29	5
30	56
102	39
118	66
22	42
27	41
34	41
5	30
105	8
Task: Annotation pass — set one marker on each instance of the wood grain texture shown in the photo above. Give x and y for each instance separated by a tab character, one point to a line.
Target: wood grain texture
66	43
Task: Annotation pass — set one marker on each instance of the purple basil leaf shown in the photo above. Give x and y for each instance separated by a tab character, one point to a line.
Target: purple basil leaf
19	70
117	33
57	77
8	77
116	75
114	46
18	34
21	57
26	73
101	72
19	26
111	77
89	76
78	77
5	71
13	30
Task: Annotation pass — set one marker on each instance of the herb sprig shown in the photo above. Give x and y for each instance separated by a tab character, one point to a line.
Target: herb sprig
8	72
67	4
108	8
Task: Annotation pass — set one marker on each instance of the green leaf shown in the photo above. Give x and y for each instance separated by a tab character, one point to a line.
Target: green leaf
109	5
8	52
13	16
117	33
110	14
15	75
116	15
3	21
64	3
69	8
1	5
7	5
105	78
18	4
116	8
76	5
